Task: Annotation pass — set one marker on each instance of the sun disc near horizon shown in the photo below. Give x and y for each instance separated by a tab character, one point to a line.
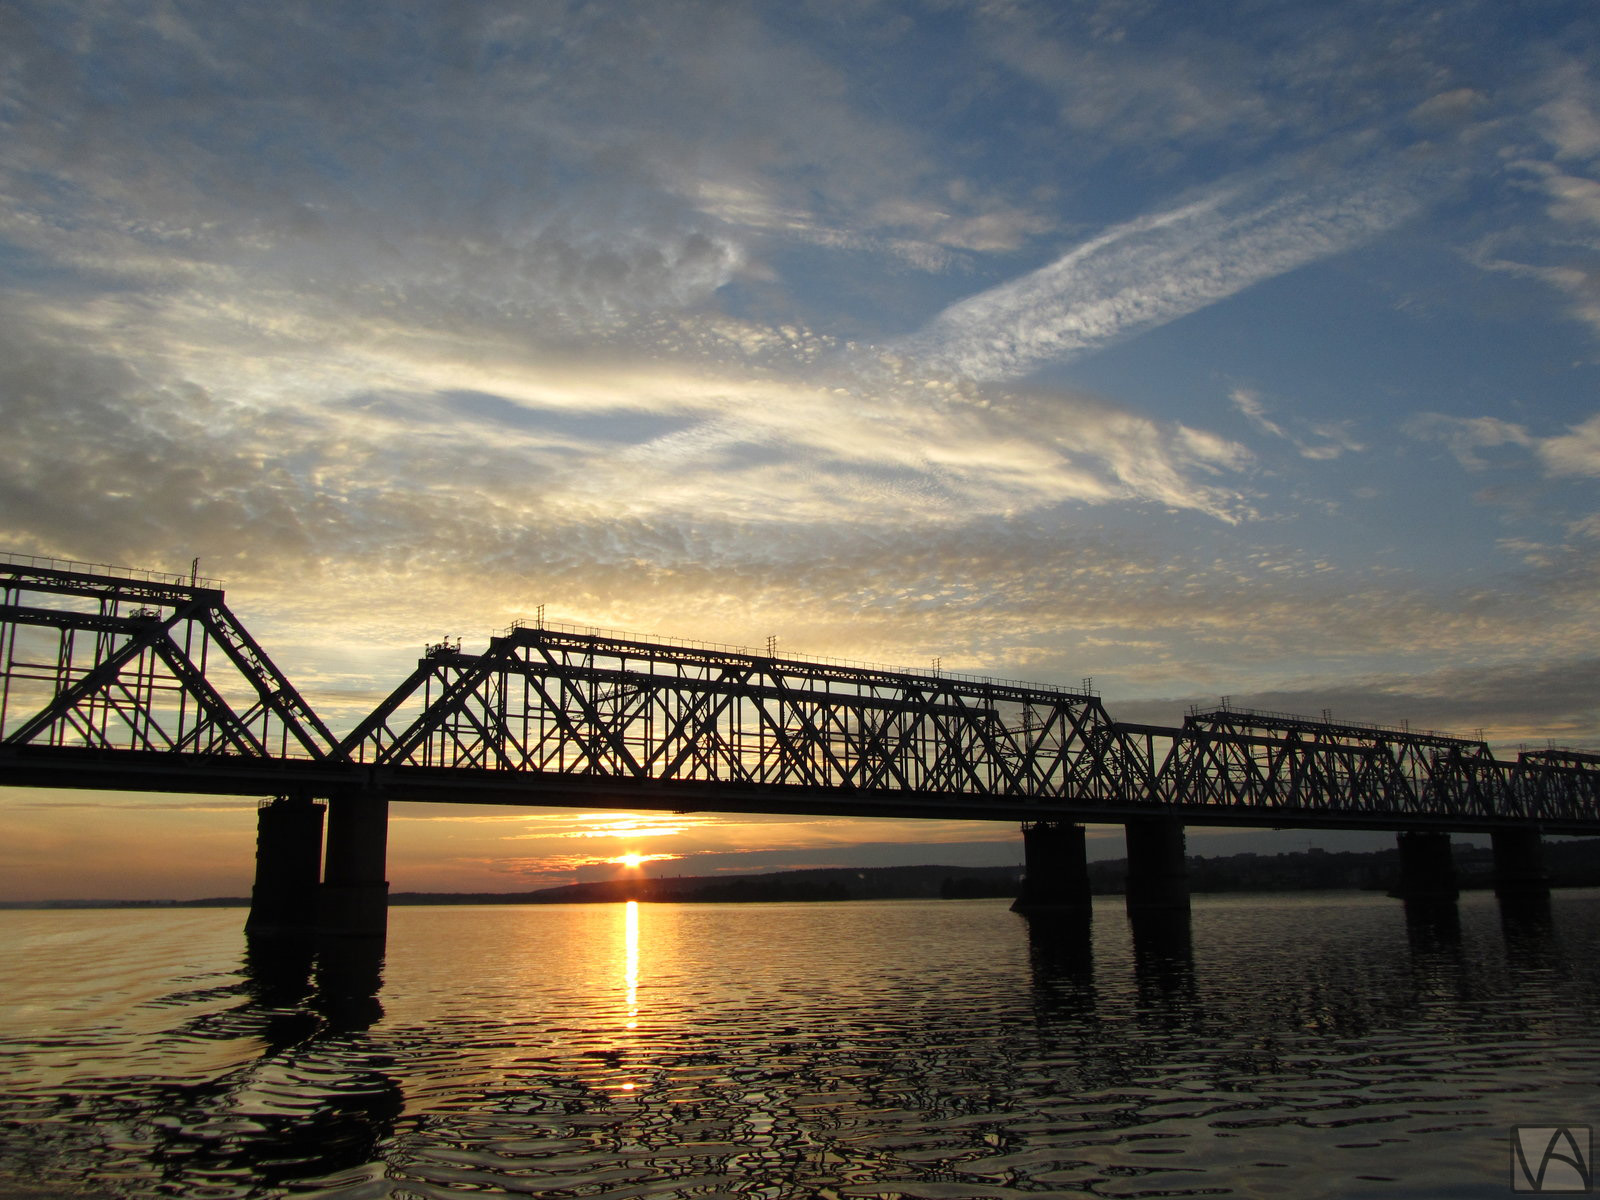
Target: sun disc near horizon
631	860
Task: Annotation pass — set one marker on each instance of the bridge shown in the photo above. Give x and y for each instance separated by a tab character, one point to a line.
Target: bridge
137	680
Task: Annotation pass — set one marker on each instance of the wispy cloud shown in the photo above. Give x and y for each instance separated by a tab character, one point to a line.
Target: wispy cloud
1515	703
1573	453
1576	452
1331	438
1153	270
1561	163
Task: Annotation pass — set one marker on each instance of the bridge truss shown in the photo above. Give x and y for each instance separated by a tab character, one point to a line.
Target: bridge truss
152	681
149	672
548	702
1238	759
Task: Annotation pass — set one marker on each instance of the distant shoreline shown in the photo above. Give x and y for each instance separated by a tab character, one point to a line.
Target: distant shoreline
1570	864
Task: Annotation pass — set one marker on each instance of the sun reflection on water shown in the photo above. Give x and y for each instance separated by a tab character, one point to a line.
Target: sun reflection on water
630	982
630	969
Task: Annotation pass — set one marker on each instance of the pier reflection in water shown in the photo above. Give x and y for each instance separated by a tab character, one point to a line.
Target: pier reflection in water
1325	1045
319	1097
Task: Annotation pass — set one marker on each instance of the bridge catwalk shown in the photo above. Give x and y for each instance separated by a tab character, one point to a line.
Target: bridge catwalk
140	681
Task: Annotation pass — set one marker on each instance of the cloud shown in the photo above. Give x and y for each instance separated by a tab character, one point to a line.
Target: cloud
1153	270
341	349
1574	453
1449	108
1334	438
853	507
143	805
1517	703
1574	199
1126	89
472	456
1464	437
1571	117
1561	251
1185	86
1249	403
556	170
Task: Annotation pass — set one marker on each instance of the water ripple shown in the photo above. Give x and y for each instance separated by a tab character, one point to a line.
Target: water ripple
1311	1045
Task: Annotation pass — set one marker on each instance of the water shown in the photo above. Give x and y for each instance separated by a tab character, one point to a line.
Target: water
1308	1046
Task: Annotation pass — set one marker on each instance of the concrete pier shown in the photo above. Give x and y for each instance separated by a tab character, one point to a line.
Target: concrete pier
1519	864
355	890
1056	872
1427	867
1158	869
288	867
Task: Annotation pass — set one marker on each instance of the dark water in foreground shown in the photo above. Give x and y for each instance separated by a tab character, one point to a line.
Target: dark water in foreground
1305	1046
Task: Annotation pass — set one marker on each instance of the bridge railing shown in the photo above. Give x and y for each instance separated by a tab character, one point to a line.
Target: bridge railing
71	566
625	637
1227	715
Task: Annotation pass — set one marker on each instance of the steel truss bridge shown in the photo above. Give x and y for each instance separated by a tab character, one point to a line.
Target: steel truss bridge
132	680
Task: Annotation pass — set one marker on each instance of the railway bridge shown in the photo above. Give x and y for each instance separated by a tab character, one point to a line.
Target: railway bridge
136	680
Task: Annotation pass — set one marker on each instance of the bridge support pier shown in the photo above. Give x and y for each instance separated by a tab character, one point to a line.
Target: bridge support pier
1158	870
1056	872
288	867
1427	867
355	892
1519	865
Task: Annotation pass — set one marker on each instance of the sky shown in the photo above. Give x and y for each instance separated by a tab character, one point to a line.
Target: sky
1241	349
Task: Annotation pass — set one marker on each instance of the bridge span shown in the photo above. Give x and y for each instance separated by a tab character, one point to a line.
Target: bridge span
136	680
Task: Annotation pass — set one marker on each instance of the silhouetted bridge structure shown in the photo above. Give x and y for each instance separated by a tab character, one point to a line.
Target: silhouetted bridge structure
135	680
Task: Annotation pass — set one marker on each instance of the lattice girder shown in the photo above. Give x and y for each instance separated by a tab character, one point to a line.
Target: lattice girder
147	664
543	701
159	666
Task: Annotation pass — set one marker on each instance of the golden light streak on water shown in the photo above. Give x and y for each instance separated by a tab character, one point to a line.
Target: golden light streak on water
631	960
630	976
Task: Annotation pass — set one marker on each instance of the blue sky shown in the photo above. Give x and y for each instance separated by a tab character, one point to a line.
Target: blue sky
1237	349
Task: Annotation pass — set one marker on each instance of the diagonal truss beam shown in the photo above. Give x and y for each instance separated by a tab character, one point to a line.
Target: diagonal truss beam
277	695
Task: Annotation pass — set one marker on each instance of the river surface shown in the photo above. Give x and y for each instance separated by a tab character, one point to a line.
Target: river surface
1322	1045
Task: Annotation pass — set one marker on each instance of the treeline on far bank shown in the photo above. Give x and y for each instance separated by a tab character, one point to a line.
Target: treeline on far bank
1570	864
1574	863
